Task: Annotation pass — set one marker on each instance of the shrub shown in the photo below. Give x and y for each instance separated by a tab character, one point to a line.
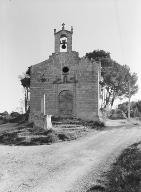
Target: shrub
117	114
94	124
52	137
14	114
21	118
10	138
67	136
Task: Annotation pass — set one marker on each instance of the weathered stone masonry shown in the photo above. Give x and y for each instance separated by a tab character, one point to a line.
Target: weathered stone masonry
70	83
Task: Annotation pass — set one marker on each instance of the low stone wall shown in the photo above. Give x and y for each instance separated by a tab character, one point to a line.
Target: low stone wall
41	120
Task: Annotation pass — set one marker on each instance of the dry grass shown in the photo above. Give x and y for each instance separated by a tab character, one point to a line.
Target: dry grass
64	130
125	175
27	135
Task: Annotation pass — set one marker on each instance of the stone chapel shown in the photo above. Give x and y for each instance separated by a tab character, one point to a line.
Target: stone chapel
65	85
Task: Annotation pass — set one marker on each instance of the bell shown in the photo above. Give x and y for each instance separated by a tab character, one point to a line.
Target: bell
63	46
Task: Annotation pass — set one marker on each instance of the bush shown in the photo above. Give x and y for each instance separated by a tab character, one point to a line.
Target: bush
3	121
10	138
21	118
14	115
117	114
52	137
94	124
67	136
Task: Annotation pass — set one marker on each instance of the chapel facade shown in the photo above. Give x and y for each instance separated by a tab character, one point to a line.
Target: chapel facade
65	85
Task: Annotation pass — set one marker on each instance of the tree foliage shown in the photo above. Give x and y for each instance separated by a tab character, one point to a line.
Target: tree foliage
115	78
135	108
25	81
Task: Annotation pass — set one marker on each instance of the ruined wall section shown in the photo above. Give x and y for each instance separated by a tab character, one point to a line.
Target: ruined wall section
87	95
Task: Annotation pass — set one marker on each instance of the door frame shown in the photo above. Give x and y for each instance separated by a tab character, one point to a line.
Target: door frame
72	103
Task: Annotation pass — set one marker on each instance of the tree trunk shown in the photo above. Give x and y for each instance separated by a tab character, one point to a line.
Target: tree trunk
129	102
26	99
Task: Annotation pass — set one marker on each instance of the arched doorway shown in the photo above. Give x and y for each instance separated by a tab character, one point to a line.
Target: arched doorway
65	100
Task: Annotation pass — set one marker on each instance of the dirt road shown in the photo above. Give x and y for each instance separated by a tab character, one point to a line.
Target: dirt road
63	167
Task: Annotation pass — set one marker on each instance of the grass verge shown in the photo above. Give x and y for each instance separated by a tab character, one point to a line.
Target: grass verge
125	175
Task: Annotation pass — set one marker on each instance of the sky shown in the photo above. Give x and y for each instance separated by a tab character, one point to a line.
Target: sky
27	36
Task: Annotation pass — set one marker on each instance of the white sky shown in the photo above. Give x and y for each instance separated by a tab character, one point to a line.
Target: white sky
27	38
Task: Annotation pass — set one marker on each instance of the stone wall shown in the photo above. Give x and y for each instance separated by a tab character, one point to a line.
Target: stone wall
82	81
87	90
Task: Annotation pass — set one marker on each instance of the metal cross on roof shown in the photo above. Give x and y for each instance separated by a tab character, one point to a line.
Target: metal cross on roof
63	25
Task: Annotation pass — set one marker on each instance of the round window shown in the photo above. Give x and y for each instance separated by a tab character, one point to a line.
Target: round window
65	69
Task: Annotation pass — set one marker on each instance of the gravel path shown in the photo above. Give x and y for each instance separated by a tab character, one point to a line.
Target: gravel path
63	167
